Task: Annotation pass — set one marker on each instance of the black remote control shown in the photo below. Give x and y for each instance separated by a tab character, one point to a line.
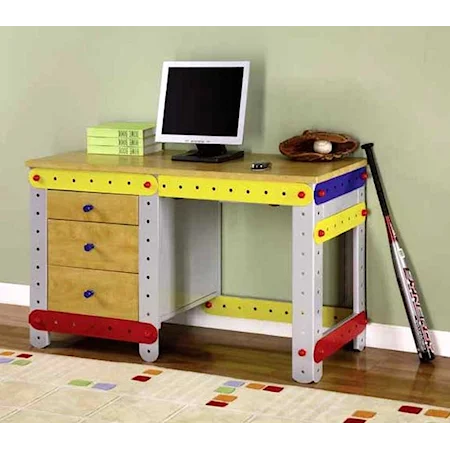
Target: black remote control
261	165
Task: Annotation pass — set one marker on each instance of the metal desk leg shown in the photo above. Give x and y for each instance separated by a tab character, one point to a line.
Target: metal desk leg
149	236
38	288
307	258
359	271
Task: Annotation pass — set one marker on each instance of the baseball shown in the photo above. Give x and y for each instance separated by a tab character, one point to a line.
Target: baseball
322	147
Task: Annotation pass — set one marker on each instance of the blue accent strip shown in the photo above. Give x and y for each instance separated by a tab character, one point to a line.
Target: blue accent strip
339	186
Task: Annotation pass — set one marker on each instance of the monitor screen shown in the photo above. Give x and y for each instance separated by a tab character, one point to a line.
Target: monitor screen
203	103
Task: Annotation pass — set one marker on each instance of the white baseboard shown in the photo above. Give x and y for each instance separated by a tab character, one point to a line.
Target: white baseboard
382	336
15	294
392	337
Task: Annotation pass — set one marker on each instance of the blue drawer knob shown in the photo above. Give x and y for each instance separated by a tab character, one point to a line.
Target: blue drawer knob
87	208
88	247
88	293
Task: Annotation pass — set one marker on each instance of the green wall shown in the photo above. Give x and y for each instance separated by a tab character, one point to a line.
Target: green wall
386	85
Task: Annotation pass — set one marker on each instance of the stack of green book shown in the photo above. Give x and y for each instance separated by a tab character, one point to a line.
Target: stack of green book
123	138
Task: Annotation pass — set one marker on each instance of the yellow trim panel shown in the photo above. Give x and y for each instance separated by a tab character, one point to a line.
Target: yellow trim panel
271	310
340	223
88	181
242	191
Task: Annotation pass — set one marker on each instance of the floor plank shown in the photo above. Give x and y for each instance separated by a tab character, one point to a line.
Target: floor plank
374	372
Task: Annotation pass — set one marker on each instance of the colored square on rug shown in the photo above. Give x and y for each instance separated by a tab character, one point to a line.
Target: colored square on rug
410	409
273	388
24	355
364	414
219	404
225	398
153	371
141	378
104	386
7	353
225	390
21	362
352	420
6	360
234	383
255	386
80	383
442	413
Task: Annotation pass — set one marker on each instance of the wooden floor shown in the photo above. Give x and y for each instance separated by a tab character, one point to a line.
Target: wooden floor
377	373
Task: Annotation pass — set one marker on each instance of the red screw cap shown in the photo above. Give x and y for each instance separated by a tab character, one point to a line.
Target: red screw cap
36	177
321	233
147	184
364	212
208	305
302	352
321	193
301	194
364	175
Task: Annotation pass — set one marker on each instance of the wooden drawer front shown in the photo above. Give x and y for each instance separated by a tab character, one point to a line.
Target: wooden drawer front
93	292
91	207
115	246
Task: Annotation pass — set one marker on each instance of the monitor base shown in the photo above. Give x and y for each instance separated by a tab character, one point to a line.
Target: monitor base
200	156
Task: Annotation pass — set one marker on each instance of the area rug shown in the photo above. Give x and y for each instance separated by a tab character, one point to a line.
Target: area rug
38	387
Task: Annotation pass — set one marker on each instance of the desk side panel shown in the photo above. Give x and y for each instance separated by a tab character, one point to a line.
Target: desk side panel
190	254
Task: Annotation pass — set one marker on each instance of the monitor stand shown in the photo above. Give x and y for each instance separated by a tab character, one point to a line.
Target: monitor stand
209	153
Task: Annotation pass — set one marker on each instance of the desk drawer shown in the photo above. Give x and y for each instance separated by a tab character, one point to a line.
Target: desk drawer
92	207
93	292
93	245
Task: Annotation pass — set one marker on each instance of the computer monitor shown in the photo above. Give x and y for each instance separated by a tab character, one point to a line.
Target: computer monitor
203	103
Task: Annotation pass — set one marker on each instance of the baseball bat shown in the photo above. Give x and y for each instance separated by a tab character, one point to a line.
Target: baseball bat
405	279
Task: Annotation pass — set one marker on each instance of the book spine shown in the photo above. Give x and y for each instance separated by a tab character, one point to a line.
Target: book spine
120	134
124	150
120	142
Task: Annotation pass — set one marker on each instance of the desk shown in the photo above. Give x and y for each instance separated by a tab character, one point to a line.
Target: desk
120	244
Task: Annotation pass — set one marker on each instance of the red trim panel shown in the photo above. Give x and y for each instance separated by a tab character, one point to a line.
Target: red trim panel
92	326
337	338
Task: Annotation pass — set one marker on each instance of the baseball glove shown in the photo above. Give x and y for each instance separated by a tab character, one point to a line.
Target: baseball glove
301	148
